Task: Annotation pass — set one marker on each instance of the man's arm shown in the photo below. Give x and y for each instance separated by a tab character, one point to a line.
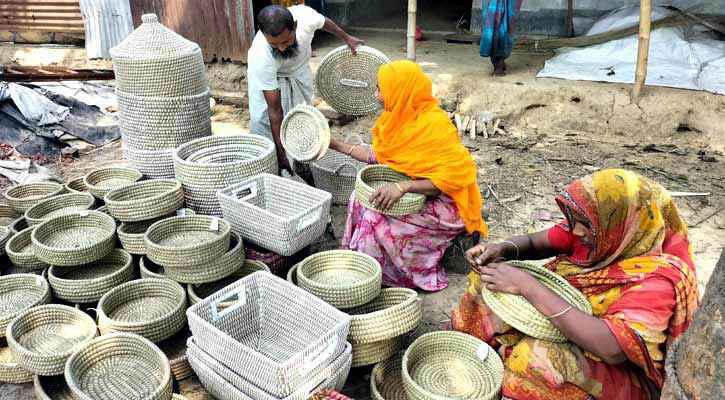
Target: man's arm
276	115
351	41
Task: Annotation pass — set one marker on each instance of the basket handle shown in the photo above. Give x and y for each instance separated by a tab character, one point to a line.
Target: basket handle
343	165
251	187
241	294
324	355
353	83
309	219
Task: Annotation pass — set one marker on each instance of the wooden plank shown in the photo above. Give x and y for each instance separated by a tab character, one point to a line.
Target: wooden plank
645	21
36	74
57	3
70	14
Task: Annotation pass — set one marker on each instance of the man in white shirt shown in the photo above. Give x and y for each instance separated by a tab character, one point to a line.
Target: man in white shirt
279	74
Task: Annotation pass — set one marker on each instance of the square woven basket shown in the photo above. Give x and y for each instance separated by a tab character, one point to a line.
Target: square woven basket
276	213
276	335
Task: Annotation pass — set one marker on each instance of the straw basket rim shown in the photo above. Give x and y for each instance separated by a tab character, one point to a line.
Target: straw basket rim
90	179
379	372
224	229
31	280
212	141
369	280
19	204
52	276
388	321
321	137
131	285
191	288
35	214
125	200
22	260
409	203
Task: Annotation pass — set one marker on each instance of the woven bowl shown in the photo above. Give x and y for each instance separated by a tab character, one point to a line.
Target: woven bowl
219	268
518	312
19	292
152	308
43	337
292	275
119	366
131	234
149	269
199	292
373	177
57	206
103	180
18	225
51	388
343	278
375	352
305	133
153	164
175	350
10	371
88	283
142	201
5	235
76	185
20	251
8	215
22	197
386	380
74	239
451	365
188	241
336	173
394	312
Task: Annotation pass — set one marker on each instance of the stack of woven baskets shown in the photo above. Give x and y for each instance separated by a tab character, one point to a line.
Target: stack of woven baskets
162	95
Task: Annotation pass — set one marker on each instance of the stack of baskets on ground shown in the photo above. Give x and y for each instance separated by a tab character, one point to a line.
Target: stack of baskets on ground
162	94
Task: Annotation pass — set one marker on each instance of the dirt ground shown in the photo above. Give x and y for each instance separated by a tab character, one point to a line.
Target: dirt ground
555	131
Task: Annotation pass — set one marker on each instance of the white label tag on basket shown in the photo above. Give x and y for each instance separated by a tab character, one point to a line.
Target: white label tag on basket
180	213
214	224
39	280
9	365
84	213
482	351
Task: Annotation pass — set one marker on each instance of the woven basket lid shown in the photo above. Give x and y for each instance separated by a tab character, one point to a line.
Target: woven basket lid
152	40
305	133
347	82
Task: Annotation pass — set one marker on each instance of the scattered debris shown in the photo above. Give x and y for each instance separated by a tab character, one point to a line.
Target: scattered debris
705	218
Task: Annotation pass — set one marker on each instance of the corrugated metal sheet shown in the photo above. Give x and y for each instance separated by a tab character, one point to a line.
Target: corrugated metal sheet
39	15
107	23
224	29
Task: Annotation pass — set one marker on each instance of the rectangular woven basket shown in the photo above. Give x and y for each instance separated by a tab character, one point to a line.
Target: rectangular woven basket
276	335
276	213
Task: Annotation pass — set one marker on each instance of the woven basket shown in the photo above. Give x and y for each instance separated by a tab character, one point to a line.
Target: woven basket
20	251
43	337
5	235
188	241
202	180
199	292
518	312
158	123
145	200
298	336
101	181
375	352
305	133
58	205
10	371
175	350
8	215
451	365
342	278
153	164
149	269
218	268
386	380
74	239
19	292
277	263
347	82
22	197
76	185
51	388
373	177
215	376
18	225
394	312
292	275
88	283
335	173
279	214
119	366
152	308
131	234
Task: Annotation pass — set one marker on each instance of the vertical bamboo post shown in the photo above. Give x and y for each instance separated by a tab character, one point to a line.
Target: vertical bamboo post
645	22
412	10
570	18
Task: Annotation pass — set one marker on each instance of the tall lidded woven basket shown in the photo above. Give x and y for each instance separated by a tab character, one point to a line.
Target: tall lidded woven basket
162	94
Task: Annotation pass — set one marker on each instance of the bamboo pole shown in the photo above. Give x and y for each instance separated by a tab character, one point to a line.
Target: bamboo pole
645	21
570	18
412	10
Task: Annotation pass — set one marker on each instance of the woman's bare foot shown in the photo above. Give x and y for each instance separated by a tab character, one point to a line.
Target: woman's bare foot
499	68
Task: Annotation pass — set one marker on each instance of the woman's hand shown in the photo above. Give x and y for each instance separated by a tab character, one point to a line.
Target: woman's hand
386	196
484	254
501	277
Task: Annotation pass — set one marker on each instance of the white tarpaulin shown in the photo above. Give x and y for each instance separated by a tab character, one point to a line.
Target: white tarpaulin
680	57
33	105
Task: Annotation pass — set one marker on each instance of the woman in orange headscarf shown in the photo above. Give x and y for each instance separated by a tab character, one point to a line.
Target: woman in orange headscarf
415	137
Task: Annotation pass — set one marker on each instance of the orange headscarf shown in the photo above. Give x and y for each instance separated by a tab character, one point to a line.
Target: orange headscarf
415	137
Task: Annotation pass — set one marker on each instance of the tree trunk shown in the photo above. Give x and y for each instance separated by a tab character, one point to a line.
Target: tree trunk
696	365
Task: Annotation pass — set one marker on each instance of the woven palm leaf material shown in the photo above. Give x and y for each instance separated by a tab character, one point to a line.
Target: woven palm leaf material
375	352
5	235
58	205
305	133
103	180
18	225
119	366
145	200
175	350
335	173
373	177
20	292
76	185
8	215
393	312
88	283
210	271
74	239
347	82
20	251
10	371
21	197
131	234
153	164
518	312
198	292
149	269
51	388
187	241
386	380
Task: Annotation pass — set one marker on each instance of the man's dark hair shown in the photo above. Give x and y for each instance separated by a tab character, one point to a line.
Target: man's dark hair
273	20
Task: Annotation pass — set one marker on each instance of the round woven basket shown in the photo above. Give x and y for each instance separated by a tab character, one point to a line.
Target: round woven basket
373	177
305	133
5	235
22	197
292	275
88	283
394	312
199	292
335	173
131	234
152	308
101	181
10	371
375	352
153	164
76	185
518	312
51	388
119	366
8	215
74	239
211	271
451	365
386	380
175	350
347	82
57	206
201	181
43	337
142	201
18	225
19	292
343	278
20	251
149	269
188	241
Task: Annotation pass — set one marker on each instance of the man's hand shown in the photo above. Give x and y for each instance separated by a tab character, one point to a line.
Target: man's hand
352	42
283	161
